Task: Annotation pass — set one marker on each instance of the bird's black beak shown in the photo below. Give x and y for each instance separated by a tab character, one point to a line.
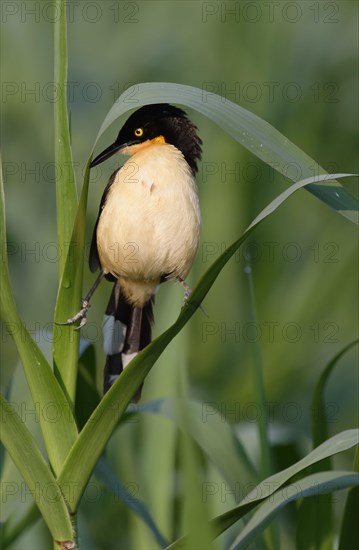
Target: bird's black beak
107	153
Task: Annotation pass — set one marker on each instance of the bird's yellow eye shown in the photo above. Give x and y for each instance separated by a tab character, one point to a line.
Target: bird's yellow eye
138	132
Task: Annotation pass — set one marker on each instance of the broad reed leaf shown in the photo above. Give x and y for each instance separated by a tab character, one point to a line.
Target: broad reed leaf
318	408
321	483
254	133
66	194
268	487
46	392
36	473
315	521
71	219
349	534
66	344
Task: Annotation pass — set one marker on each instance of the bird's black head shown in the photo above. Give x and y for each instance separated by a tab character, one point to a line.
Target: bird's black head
158	123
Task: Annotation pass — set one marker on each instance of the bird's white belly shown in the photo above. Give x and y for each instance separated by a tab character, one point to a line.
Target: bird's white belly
149	226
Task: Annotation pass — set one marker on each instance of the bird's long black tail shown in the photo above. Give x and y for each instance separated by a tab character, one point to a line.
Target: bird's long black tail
126	331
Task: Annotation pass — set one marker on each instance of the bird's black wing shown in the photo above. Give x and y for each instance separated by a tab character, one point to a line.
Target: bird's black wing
94	260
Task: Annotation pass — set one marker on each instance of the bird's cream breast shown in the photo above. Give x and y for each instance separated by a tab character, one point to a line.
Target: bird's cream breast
149	225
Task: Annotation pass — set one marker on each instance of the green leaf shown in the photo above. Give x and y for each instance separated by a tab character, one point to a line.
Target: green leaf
66	194
195	513
316	484
266	459
339	443
194	507
70	220
66	344
104	473
349	535
59	434
314	526
36	473
97	431
87	395
255	134
315	522
319	413
14	527
212	434
218	524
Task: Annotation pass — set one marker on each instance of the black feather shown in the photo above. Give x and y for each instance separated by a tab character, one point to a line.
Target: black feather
122	311
94	260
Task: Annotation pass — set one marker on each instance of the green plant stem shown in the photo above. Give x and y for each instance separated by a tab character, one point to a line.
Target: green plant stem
65	348
73	518
266	460
66	193
266	465
75	542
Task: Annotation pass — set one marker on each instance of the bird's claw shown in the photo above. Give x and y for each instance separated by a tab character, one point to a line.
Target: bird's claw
80	316
187	294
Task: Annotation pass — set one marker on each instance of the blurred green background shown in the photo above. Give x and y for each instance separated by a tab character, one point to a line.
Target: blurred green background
291	63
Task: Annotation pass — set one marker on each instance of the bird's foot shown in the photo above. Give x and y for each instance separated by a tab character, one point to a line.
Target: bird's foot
187	290
80	316
187	294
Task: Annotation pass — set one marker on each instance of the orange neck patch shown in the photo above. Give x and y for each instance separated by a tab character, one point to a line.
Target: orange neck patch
132	149
158	139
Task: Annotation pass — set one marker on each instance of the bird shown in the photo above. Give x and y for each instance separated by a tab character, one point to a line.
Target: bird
147	229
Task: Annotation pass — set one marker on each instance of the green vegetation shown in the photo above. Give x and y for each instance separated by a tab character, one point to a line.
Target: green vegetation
232	444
